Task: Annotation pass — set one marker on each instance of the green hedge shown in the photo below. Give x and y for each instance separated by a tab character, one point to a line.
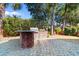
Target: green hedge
67	30
71	30
58	30
10	26
77	28
77	34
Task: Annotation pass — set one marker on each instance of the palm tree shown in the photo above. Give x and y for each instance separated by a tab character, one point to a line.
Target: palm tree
51	11
4	5
17	6
2	11
68	9
44	11
2	15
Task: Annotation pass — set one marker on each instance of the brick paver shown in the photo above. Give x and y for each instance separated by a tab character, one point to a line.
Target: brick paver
41	48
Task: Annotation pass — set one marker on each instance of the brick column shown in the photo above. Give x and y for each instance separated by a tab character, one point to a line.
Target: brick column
27	39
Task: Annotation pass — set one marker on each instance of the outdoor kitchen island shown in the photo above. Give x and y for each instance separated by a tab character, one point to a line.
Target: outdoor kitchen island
27	38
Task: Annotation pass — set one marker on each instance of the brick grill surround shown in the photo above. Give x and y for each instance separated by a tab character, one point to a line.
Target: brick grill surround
41	35
27	39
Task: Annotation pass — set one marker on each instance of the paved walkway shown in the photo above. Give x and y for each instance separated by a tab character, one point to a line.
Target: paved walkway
52	37
60	37
47	47
64	37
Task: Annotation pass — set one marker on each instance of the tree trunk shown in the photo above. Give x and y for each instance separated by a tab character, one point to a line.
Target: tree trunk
52	20
64	24
65	17
2	15
2	10
52	26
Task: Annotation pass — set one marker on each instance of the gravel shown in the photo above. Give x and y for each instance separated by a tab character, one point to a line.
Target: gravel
49	47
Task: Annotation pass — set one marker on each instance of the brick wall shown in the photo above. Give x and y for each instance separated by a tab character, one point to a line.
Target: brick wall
41	35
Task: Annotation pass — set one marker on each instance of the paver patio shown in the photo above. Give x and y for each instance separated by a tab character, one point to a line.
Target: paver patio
46	47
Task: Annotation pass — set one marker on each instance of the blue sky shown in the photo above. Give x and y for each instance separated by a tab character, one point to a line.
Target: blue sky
24	13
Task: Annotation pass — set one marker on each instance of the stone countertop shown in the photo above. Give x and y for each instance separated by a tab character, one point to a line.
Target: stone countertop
26	31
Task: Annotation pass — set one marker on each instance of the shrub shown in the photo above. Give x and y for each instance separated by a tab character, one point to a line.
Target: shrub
10	27
12	24
70	30
49	31
58	30
67	30
77	33
77	28
73	30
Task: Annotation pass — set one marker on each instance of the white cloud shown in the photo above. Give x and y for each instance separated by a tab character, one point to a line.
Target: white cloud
12	13
7	13
16	13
